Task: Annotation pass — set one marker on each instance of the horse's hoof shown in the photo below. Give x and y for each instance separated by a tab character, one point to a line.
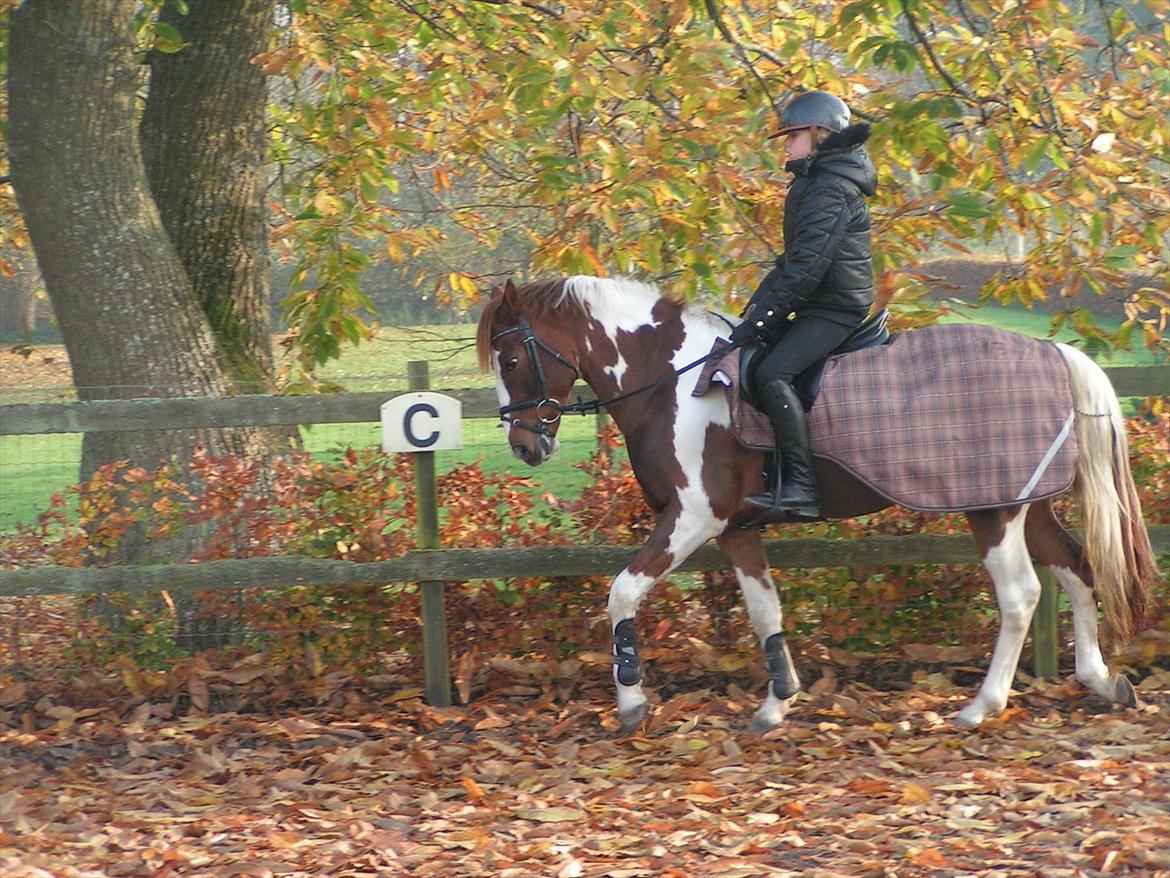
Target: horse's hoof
1123	691
761	724
968	719
632	719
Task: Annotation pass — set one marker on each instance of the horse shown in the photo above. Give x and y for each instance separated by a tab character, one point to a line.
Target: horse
629	343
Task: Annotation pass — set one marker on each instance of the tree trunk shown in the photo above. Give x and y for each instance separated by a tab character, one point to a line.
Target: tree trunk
203	141
126	309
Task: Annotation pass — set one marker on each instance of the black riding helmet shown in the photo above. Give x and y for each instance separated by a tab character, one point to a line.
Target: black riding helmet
814	109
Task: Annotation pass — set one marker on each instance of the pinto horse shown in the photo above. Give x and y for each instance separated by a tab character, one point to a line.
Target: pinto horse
629	343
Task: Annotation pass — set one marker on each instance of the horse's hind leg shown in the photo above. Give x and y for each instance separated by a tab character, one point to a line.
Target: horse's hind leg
999	535
745	550
1055	548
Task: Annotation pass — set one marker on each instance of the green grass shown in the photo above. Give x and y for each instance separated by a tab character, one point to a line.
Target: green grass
380	364
32	468
1039	325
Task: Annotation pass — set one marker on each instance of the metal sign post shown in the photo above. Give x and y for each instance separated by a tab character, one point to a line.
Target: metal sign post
421	423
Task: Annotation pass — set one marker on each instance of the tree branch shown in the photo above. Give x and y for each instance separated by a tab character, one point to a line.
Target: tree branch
741	52
535	7
920	37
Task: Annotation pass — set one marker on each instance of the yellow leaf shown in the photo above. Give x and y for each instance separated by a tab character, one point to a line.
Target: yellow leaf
394	250
914	794
467	285
328	204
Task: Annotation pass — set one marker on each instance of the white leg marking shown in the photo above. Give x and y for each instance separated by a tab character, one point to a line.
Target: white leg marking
625	595
766	615
772	712
1091	668
762	603
1017	591
763	607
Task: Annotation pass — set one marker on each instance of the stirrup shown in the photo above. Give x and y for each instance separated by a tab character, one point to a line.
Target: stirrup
801	511
770	515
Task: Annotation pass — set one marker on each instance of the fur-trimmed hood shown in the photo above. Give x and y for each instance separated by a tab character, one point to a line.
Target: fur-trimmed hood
841	153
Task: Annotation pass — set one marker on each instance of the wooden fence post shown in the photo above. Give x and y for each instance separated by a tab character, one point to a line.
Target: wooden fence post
436	663
1045	630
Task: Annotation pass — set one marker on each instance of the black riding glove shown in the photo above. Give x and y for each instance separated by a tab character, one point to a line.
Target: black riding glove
746	333
762	323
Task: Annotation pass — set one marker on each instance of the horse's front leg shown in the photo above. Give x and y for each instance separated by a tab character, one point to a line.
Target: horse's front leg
745	550
675	537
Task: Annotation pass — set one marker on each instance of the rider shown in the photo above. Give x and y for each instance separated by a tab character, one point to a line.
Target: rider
820	290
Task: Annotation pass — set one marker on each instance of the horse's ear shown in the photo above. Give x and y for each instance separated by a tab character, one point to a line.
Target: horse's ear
510	301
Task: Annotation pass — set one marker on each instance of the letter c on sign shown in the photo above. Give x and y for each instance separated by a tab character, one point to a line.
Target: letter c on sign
418	441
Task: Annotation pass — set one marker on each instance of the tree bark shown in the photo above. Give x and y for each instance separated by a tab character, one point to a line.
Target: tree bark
132	288
203	142
127	312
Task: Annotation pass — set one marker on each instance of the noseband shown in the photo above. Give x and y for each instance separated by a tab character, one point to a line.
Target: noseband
533	346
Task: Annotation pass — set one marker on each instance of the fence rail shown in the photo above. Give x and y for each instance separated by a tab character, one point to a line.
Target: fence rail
106	416
469	564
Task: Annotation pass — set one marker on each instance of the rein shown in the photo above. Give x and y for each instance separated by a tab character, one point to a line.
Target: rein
581	406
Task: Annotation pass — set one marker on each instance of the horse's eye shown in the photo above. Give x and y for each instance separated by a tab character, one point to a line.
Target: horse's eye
511	364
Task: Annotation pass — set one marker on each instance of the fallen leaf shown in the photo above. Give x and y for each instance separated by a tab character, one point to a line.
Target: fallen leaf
551	815
931	858
826	684
915	794
13	693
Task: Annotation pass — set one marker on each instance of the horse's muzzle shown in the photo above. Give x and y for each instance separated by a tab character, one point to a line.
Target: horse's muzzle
534	455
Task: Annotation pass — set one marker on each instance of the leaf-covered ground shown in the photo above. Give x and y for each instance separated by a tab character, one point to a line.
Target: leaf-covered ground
524	783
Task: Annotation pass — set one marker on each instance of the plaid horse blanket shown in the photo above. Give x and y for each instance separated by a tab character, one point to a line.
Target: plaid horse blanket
945	418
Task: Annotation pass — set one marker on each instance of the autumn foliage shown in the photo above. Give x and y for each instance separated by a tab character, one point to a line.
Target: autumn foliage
585	137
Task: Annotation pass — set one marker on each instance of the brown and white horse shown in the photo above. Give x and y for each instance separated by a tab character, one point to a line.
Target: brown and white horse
619	335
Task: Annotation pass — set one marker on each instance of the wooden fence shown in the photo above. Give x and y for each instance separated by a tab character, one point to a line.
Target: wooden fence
432	566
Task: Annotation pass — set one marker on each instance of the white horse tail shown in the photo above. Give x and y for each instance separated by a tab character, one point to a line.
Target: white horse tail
1117	544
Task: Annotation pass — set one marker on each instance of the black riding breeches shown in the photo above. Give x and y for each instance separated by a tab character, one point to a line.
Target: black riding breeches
806	341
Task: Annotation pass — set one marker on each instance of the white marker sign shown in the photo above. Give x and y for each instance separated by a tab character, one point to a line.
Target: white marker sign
422	422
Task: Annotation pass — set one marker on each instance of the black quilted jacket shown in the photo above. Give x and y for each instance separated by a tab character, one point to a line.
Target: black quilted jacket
826	268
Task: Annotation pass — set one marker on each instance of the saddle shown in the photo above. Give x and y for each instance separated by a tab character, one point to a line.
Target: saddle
874	331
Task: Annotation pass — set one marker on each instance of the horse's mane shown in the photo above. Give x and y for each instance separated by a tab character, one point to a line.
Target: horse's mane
569	299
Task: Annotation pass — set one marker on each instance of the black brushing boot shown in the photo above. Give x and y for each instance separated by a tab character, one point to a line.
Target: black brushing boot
797	499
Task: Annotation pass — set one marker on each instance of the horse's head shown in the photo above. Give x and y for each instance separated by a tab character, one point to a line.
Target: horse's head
534	358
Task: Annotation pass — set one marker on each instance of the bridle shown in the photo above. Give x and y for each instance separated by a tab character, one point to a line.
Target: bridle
533	345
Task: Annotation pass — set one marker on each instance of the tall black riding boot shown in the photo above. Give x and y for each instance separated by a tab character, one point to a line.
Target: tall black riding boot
797	499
